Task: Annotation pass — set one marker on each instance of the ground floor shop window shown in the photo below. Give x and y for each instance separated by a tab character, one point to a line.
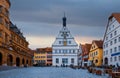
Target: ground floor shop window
72	60
64	60
57	60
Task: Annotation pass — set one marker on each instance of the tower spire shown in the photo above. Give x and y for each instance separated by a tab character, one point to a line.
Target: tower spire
64	20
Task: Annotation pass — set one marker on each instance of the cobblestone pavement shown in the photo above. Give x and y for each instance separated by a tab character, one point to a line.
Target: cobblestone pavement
3	68
48	72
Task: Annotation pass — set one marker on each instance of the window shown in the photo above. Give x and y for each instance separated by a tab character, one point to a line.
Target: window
119	39
64	60
59	51
111	43
111	59
57	60
55	51
6	24
106	38
119	58
72	60
59	42
111	35
96	61
0	33
106	44
1	9
69	51
49	56
115	58
109	28
119	48
115	49
64	51
115	41
106	52
113	26
73	51
115	33
96	52
1	20
69	42
110	50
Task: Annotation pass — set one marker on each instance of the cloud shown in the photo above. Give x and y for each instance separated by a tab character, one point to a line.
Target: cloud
84	40
40	42
39	19
80	12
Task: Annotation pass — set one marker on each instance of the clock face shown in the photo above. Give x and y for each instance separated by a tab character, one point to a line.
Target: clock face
65	43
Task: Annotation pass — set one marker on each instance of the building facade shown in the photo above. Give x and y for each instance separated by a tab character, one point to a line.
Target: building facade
43	56
14	49
96	53
80	55
65	49
112	41
85	54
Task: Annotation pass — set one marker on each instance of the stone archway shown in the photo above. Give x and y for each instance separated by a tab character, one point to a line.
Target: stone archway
9	60
1	58
106	61
26	61
17	61
23	61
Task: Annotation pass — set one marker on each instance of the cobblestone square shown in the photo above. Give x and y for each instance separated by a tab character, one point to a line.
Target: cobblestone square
48	72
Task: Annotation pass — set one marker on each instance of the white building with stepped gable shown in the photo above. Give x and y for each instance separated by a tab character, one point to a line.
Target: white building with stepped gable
64	49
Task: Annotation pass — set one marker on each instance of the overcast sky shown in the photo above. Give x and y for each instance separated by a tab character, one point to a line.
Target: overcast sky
41	20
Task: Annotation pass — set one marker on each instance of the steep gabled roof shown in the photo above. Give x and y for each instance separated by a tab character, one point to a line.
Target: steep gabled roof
99	43
116	16
8	2
47	49
88	46
86	49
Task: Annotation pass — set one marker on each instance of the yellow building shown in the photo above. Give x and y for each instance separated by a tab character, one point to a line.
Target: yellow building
43	57
96	53
14	49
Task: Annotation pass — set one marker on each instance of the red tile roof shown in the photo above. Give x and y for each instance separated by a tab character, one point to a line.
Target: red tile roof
48	49
8	2
116	16
99	43
86	49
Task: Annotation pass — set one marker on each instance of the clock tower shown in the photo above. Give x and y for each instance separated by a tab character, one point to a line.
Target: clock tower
65	48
